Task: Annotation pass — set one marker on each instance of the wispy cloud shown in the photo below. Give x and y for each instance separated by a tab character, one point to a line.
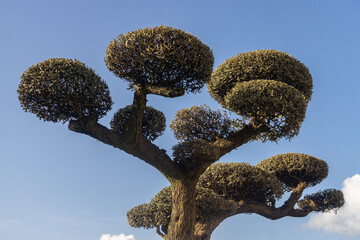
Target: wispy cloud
9	223
347	220
117	237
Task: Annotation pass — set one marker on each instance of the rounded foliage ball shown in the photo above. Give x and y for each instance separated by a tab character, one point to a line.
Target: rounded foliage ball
241	181
293	168
60	89
160	56
276	105
200	122
260	64
153	121
323	201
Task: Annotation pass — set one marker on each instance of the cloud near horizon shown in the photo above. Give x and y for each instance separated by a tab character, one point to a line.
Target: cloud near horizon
117	237
347	219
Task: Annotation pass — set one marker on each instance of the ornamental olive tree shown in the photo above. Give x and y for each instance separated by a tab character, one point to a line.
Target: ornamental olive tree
267	89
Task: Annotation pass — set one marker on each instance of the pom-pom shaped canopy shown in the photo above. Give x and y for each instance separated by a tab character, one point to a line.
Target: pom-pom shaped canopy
146	216
269	87
241	181
158	211
160	56
274	104
323	201
260	64
200	122
191	152
293	168
153	122
60	89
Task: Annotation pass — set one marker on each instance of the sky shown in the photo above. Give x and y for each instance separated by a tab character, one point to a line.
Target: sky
57	184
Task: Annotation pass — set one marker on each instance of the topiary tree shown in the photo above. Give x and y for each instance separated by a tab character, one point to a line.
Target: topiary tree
267	89
227	189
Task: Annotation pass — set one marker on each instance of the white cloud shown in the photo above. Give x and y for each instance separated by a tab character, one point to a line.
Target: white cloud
117	237
347	220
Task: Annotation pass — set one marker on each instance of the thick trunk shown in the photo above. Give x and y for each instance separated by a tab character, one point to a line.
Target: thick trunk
204	229
181	226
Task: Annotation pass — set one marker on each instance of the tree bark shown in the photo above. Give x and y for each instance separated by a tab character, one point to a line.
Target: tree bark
203	230
182	222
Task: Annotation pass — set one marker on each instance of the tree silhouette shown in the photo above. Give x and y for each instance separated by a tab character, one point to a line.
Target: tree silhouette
267	89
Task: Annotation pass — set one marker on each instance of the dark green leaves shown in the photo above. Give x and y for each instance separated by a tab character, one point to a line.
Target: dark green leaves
293	168
276	105
200	122
261	64
241	181
153	122
323	201
162	57
60	89
268	87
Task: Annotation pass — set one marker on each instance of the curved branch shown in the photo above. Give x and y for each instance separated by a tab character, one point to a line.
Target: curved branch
158	231
164	91
294	197
141	148
246	134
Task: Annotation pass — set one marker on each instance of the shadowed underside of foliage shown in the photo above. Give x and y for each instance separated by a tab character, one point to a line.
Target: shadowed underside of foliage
268	91
227	189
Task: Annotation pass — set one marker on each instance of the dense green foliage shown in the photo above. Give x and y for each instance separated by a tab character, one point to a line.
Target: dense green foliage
256	65
323	201
158	211
153	122
276	105
160	56
60	89
293	168
270	88
191	152
241	181
200	122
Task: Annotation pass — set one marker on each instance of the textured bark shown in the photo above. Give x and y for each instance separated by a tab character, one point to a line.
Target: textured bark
203	230
182	222
164	91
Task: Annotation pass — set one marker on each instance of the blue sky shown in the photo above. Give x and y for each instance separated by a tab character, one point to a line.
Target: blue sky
56	184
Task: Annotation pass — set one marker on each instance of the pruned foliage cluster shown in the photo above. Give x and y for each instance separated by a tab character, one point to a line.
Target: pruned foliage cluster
200	122
293	168
241	181
269	87
276	105
153	122
323	201
60	90
158	211
224	185
191	152
256	65
160	56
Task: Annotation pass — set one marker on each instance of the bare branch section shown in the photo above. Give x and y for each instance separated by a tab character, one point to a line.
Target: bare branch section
235	140
164	91
142	148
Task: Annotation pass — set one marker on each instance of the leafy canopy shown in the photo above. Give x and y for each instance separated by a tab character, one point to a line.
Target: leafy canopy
61	89
160	56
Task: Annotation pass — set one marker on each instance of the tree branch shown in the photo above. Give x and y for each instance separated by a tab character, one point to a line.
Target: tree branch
133	131
141	148
159	232
294	197
164	91
246	134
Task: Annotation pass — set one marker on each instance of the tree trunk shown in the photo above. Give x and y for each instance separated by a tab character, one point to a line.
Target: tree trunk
203	230
182	223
